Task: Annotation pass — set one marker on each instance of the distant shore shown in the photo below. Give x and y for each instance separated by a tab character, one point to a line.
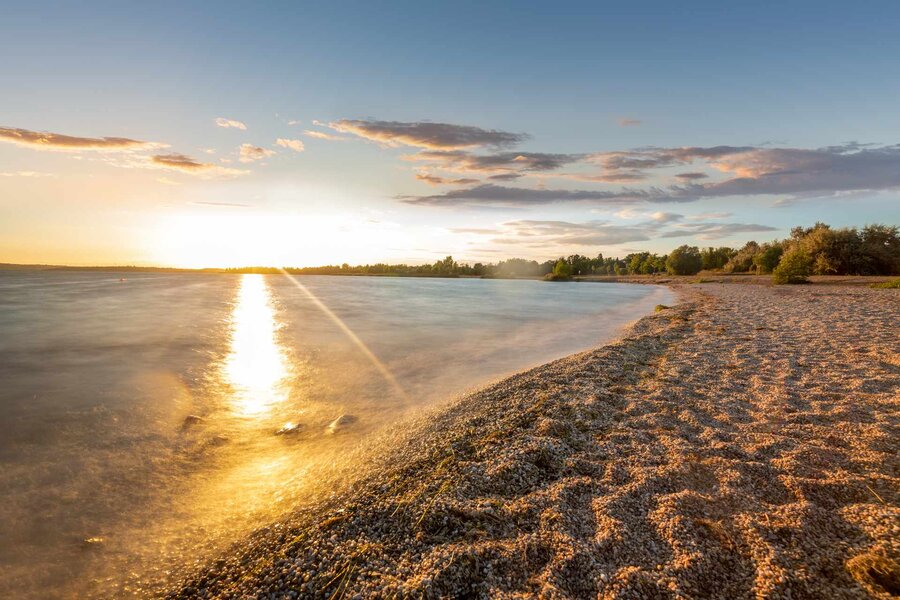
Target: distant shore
741	444
659	278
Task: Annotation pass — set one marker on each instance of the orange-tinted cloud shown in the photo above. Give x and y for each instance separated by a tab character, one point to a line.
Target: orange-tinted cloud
322	136
251	153
295	145
186	164
424	134
438	180
43	140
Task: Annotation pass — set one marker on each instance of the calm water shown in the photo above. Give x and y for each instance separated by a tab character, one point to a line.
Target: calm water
138	418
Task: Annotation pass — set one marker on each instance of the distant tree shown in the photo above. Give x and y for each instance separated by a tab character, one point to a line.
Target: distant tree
684	260
716	258
794	267
767	259
562	270
742	260
880	246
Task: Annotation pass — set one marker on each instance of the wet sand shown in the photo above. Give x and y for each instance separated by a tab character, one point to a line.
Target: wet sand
743	444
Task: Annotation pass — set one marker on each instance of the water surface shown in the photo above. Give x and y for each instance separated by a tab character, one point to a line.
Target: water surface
139	412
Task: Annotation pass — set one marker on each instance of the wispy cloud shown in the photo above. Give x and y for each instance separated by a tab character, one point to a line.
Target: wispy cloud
496	195
550	235
230	123
295	145
32	174
186	164
43	140
627	122
425	134
438	180
692	176
459	160
714	231
251	153
319	135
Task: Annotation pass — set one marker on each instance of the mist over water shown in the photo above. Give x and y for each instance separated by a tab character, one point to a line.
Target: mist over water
146	423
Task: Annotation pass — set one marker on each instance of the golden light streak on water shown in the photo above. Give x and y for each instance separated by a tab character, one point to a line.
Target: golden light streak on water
380	366
256	366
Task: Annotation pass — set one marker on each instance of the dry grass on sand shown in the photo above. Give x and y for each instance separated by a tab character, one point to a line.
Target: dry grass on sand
743	444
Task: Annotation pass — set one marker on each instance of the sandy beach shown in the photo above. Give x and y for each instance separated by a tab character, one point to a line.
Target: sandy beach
742	444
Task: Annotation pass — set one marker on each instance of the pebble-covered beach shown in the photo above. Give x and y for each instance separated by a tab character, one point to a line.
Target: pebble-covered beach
742	444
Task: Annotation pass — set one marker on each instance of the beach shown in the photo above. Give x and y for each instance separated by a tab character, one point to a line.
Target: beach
740	444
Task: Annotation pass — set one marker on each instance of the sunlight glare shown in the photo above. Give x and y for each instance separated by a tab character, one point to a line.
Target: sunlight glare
256	367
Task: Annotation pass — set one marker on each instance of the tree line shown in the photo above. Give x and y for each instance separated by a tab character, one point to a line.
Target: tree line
817	250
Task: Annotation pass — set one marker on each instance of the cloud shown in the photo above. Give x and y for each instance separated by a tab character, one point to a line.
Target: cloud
323	136
709	215
496	195
825	171
834	171
33	174
693	176
43	140
505	176
616	177
559	235
185	164
438	180
459	160
553	234
714	231
295	145
230	123
626	122
829	171
251	153
425	134
294	122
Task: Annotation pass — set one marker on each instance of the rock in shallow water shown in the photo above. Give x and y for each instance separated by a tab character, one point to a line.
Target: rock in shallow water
191	420
290	429
341	423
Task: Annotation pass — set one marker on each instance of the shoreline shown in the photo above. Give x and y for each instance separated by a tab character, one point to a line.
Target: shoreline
706	451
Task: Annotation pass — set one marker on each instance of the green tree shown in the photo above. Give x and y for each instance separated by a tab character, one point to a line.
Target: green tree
562	270
684	260
794	267
742	261
767	259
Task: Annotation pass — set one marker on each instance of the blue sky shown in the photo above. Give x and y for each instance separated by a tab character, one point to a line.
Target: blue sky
783	86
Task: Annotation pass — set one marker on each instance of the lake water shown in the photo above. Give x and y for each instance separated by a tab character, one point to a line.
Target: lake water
139	416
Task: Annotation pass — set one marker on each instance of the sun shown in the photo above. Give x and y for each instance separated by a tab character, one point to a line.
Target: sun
198	241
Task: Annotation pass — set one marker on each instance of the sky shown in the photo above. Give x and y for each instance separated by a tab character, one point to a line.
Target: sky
234	133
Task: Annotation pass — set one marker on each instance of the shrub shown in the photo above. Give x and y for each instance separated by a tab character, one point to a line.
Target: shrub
684	260
794	267
887	285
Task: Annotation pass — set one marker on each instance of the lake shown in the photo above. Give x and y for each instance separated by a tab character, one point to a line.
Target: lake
148	419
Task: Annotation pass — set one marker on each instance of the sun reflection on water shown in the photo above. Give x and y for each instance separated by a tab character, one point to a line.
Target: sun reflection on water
256	367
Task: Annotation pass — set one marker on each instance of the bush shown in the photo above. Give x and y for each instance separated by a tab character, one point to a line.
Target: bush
887	285
684	260
793	268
